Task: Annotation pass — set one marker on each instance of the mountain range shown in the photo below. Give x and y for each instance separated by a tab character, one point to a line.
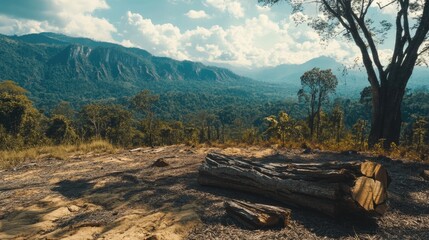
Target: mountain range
55	67
351	80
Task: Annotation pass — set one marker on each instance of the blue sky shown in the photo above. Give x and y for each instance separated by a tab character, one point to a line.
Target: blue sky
234	32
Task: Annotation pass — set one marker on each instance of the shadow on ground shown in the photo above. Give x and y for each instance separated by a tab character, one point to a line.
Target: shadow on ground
139	201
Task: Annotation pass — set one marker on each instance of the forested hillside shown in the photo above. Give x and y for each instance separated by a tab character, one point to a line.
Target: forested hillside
55	67
70	90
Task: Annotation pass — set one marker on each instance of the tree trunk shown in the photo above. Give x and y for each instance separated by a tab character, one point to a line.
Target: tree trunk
386	115
333	188
311	118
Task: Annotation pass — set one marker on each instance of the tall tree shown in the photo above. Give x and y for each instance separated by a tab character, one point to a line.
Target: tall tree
60	130
226	117
18	118
337	121
350	18
143	102
316	86
111	122
65	109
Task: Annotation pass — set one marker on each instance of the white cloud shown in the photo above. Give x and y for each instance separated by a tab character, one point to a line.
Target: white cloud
251	41
127	43
257	41
193	14
69	17
263	9
233	7
12	26
162	39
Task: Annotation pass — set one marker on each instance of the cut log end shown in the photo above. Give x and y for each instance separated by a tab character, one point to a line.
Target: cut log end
370	190
258	215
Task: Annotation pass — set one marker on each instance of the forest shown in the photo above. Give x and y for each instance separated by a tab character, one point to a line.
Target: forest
314	119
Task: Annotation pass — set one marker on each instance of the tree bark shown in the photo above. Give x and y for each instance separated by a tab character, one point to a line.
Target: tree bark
425	174
333	188
258	215
386	113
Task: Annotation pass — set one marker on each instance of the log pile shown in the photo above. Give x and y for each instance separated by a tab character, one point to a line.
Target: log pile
333	188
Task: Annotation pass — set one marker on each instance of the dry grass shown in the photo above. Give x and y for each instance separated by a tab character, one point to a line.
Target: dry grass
407	153
12	158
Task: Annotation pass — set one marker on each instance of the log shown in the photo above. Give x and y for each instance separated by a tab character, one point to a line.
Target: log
258	215
333	188
425	174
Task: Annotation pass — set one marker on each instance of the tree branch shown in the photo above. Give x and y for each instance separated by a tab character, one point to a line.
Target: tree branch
388	4
348	14
420	35
335	13
398	51
364	9
413	47
404	7
371	43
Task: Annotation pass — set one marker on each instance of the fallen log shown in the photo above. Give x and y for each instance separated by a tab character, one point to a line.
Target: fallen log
425	174
258	215
333	188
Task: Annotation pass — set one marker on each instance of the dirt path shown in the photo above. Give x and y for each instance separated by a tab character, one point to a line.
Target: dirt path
121	196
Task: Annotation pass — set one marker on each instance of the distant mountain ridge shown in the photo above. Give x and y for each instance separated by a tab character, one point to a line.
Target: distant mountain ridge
140	62
57	67
351	81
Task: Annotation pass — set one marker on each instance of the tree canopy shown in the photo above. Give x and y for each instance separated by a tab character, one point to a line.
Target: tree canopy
388	80
316	86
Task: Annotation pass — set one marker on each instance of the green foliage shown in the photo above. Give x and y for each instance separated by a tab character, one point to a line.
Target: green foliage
20	122
336	120
316	86
10	87
60	130
111	122
65	109
420	130
13	112
360	130
251	136
353	21
191	135
339	125
143	101
283	127
76	71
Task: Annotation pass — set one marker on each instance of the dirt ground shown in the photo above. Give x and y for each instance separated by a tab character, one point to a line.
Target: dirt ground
122	196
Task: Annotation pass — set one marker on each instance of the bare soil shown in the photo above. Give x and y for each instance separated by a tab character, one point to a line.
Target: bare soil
126	196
